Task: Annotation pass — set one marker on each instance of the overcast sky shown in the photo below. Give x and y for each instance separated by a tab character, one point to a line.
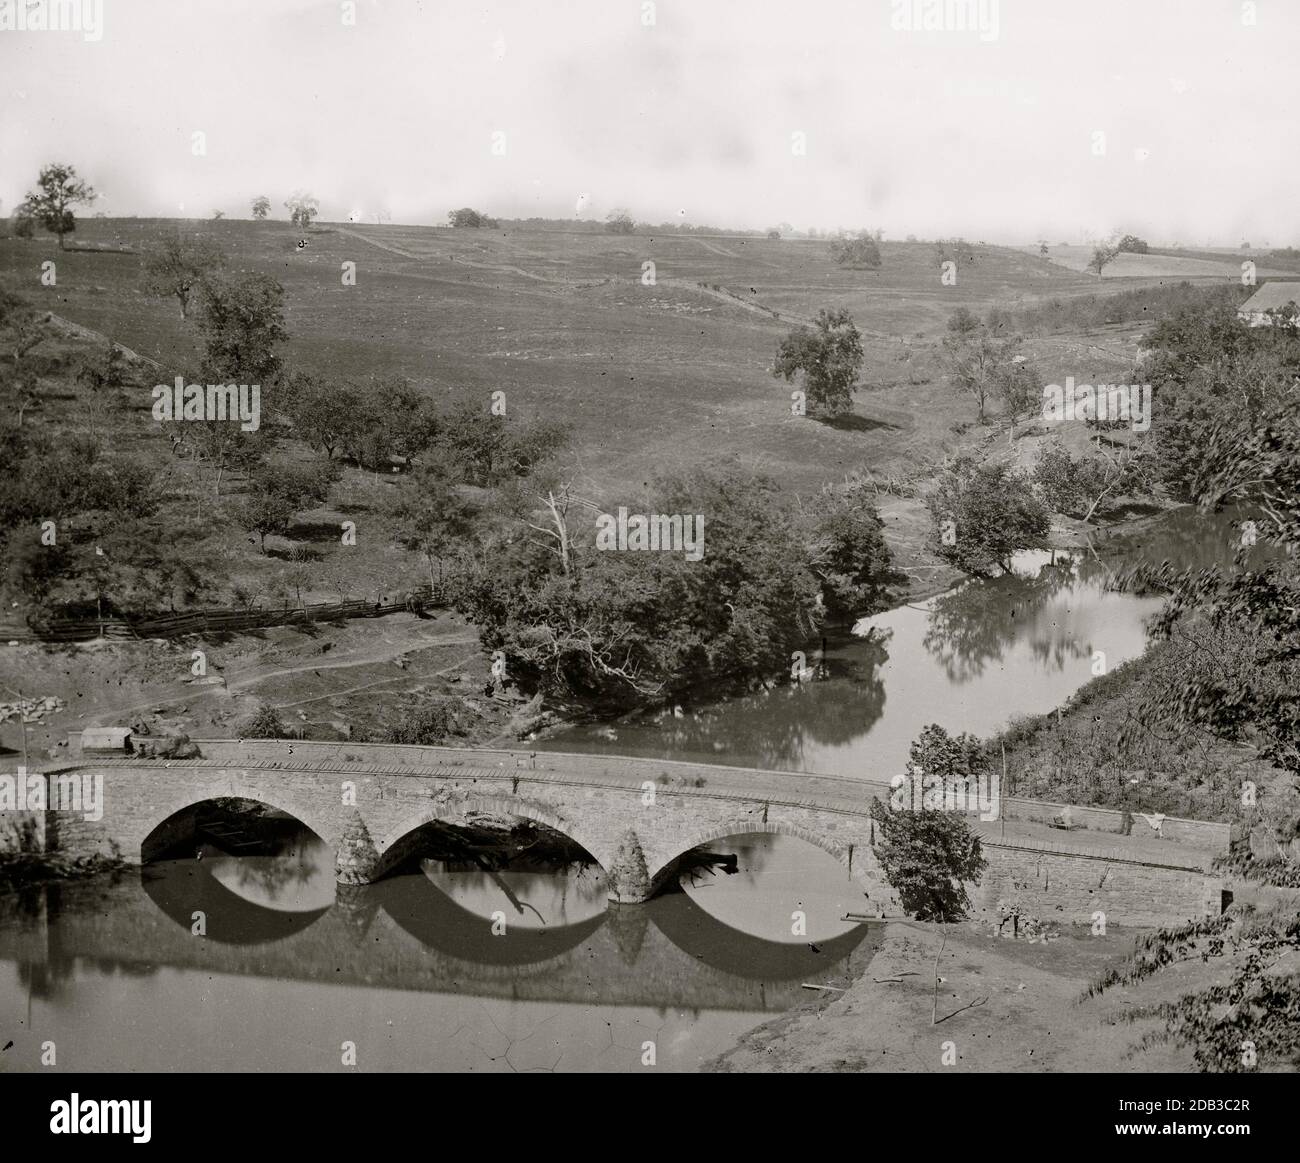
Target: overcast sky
932	133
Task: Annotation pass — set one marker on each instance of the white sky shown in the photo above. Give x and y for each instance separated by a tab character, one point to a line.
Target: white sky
929	133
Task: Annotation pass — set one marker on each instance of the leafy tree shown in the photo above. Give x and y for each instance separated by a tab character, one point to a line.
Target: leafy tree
847	551
830	356
104	370
1192	336
981	365
435	518
264	513
261	206
58	190
1257	698
22	328
263	724
1132	244
620	222
620	626
985	512
1102	257
326	414
276	494
936	753
466	216
223	446
928	856
857	253
302	207
1079	485
964	323
177	266
242	322
429	724
486	450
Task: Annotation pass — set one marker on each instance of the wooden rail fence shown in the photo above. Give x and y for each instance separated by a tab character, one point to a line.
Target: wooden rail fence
208	622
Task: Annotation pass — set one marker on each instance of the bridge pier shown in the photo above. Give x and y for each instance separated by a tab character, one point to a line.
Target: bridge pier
356	860
628	877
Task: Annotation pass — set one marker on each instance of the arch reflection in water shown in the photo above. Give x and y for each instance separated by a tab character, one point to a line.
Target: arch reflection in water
784	889
254	873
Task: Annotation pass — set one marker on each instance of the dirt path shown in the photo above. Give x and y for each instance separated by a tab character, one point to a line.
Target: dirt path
379	682
386	653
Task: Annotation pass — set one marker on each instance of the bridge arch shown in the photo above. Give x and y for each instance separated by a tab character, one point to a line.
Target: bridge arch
392	847
859	860
144	841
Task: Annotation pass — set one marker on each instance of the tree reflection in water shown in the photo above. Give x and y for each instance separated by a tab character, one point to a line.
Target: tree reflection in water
772	726
294	865
972	626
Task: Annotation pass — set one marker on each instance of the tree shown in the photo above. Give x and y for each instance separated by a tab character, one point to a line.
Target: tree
264	513
177	266
429	724
1017	384
830	356
105	370
984	513
1132	244
275	495
264	724
847	551
1077	486
774	235
1102	257
434	519
22	329
326	414
302	207
466	216
58	190
620	222
964	323
261	206
242	322
981	365
928	856
224	447
575	621
857	253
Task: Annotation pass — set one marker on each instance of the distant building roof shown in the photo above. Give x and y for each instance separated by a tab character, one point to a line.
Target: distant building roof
1270	295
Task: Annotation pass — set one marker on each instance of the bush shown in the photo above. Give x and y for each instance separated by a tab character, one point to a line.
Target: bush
265	724
428	724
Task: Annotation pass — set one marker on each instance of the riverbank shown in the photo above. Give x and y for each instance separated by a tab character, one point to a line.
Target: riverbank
1000	1005
19	870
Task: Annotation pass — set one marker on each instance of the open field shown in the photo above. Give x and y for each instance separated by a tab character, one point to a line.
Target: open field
654	378
1167	264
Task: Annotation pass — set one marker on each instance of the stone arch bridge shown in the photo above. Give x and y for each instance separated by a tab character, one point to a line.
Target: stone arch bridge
635	817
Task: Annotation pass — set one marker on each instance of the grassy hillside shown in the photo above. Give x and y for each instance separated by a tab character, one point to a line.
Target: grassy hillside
654	377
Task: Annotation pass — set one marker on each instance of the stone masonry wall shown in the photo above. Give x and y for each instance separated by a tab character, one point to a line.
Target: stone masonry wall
1070	887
